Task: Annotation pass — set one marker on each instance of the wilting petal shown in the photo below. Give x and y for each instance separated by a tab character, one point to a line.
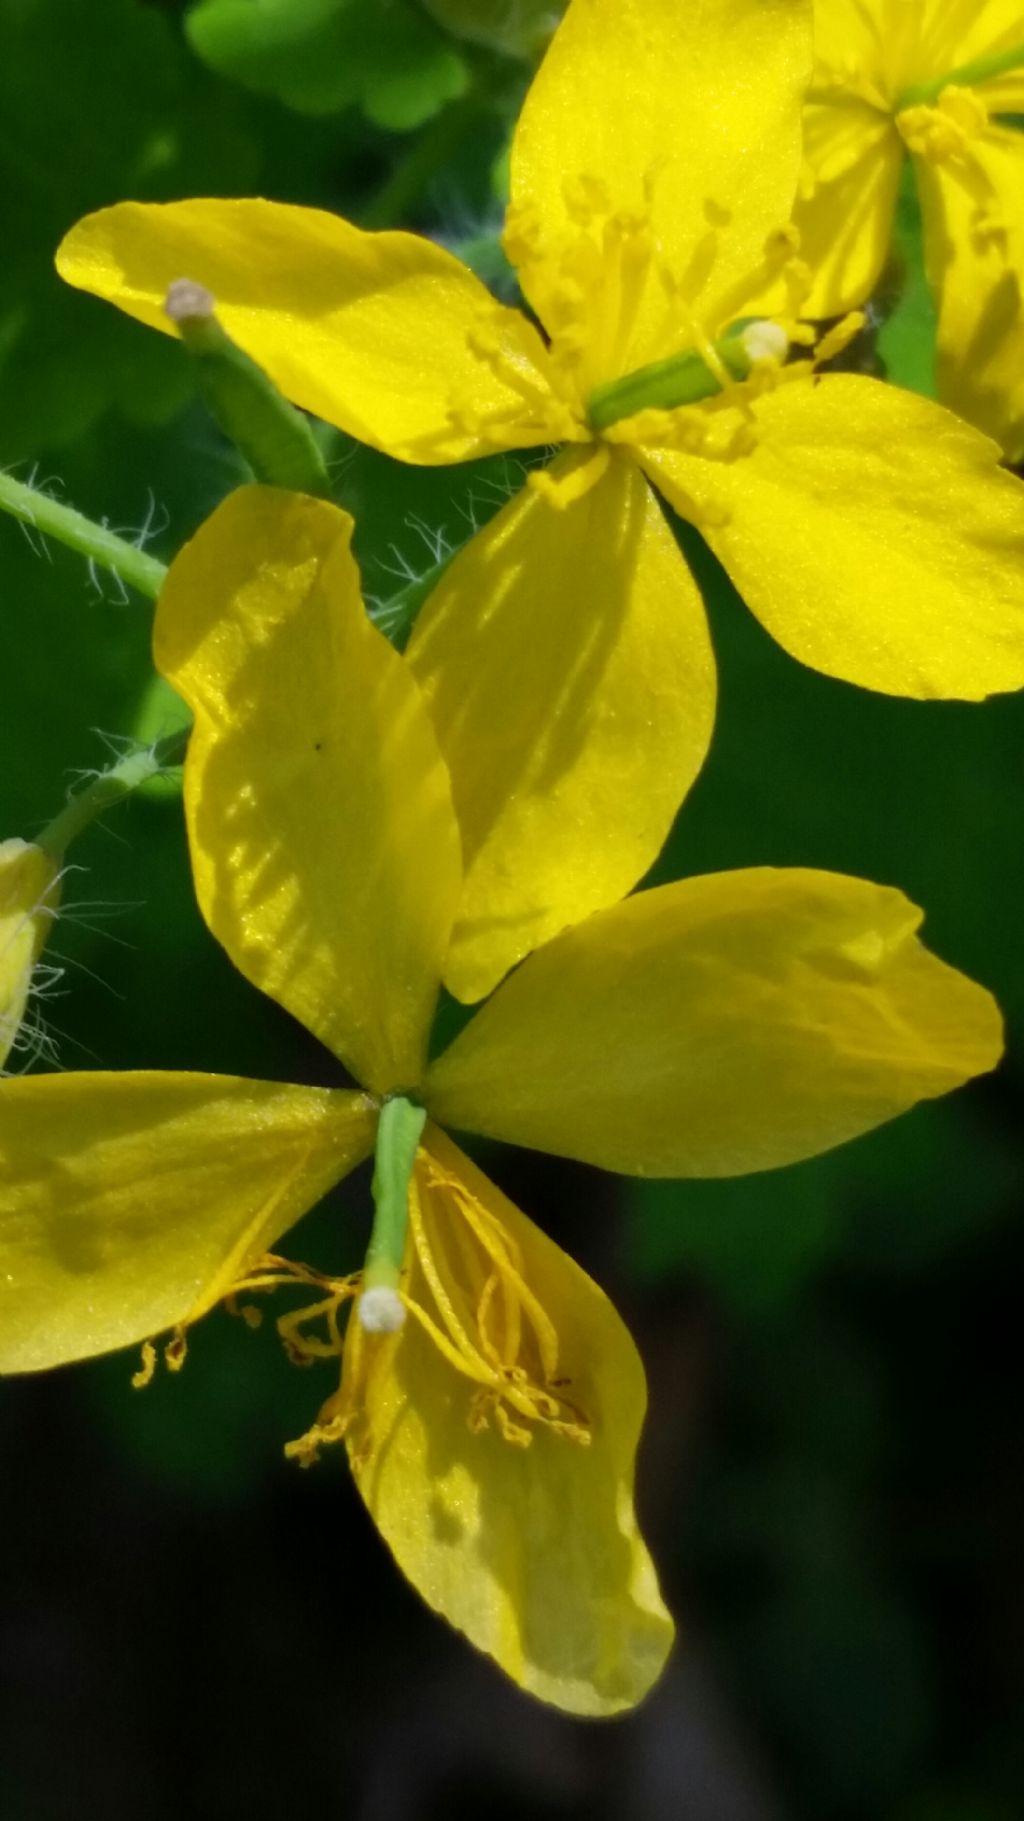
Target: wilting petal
324	846
873	534
719	1025
689	104
853	158
532	1551
370	331
130	1202
973	211
28	905
566	662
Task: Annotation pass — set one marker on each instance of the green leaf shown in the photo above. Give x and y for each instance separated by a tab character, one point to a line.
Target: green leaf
87	116
319	56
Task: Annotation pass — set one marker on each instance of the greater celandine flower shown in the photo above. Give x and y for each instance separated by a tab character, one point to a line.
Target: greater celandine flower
28	906
935	79
565	655
490	1398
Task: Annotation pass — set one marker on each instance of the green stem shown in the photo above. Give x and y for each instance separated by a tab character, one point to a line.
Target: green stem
275	439
398	1134
51	519
111	787
967	75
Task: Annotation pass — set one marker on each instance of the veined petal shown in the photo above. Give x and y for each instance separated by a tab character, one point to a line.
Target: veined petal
28	905
373	332
566	662
132	1201
873	534
649	103
853	157
324	845
532	1551
854	35
717	1026
983	28
973	209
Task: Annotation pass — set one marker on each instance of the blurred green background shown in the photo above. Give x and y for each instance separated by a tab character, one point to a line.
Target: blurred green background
833	1473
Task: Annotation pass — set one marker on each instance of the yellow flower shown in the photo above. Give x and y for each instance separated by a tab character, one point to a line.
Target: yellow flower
711	1027
28	905
565	655
933	79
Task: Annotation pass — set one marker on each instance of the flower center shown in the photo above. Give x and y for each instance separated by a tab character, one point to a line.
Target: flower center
463	1283
685	379
943	132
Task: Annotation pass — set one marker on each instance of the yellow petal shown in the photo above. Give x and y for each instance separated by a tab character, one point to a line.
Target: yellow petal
28	905
857	35
853	158
567	665
873	534
533	1552
973	209
983	28
324	845
373	332
691	104
720	1025
132	1201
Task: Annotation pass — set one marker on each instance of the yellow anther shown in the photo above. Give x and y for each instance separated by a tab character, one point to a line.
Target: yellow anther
839	337
943	132
144	1375
563	490
585	198
176	1350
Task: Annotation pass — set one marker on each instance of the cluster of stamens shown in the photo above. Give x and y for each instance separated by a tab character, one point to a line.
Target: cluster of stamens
943	133
463	1285
590	282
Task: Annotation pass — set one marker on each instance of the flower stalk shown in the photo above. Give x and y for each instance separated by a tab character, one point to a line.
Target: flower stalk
111	787
50	518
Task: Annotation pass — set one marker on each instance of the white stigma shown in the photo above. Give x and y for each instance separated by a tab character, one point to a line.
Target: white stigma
380	1310
765	341
187	301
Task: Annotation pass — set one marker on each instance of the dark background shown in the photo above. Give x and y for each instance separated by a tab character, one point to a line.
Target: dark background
832	1477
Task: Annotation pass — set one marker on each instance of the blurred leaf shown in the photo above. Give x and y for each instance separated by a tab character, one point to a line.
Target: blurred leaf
319	56
132	115
520	28
909	1204
755	1240
844	1674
